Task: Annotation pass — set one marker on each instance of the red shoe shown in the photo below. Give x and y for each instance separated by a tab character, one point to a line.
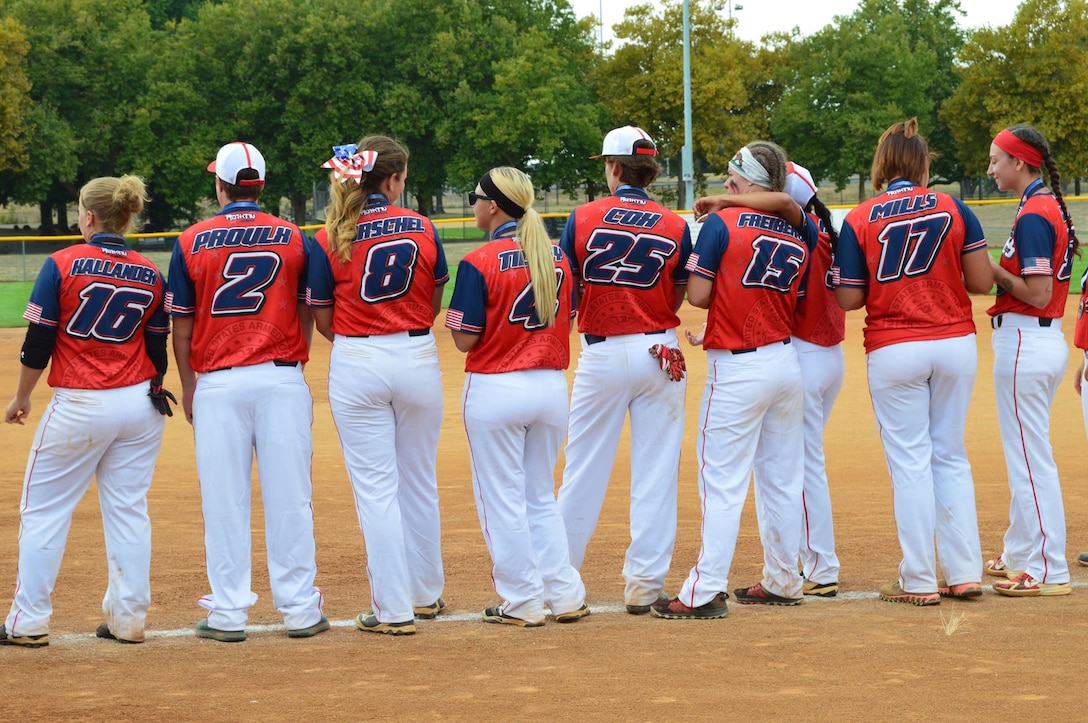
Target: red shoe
758	595
676	610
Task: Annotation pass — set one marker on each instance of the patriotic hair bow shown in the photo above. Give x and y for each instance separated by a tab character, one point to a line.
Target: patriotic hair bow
347	162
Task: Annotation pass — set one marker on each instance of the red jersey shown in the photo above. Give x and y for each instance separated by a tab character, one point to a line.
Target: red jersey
818	318
1038	244
757	262
102	298
630	254
905	247
387	286
1080	332
492	297
245	271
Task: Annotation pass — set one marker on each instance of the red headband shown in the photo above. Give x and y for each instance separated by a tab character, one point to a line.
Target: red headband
1018	148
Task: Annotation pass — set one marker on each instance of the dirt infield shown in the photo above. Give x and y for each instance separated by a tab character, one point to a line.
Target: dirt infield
851	658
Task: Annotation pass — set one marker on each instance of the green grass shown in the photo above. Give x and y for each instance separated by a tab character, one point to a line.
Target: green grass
13	298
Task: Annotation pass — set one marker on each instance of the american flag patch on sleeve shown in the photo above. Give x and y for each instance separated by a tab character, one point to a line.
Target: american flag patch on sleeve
1037	265
33	313
693	262
454	319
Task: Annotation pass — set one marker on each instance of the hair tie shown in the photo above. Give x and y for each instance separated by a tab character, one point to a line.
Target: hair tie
1016	147
347	162
745	165
492	191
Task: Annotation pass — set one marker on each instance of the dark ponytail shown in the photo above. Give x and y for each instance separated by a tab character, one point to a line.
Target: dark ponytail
1035	139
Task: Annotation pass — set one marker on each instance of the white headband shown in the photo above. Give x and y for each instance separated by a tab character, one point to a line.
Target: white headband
747	167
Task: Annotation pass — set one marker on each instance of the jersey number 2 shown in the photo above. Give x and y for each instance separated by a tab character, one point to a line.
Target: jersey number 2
248	274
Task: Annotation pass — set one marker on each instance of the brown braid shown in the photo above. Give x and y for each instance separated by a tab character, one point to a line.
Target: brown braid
824	214
1036	140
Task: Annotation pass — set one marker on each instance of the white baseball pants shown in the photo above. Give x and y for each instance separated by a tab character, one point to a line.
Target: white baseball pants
920	392
615	376
750	415
1029	364
822	371
515	424
113	435
386	398
266	408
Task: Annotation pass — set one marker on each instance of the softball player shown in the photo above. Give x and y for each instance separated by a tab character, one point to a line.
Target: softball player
628	255
907	255
747	268
1080	340
236	289
819	326
1030	357
510	312
96	310
375	290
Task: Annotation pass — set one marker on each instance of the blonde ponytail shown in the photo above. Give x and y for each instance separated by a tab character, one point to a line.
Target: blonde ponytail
533	238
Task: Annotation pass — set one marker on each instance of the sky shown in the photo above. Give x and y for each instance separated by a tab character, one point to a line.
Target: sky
757	17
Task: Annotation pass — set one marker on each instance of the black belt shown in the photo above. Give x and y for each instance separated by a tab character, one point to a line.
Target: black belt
995	322
592	339
277	362
749	351
411	332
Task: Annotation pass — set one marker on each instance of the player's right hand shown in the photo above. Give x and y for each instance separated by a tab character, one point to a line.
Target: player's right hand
17	411
187	402
1078	380
707	205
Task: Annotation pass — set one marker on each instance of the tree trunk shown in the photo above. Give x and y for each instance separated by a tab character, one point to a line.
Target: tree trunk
424	203
861	187
1076	186
438	207
298	208
62	217
45	214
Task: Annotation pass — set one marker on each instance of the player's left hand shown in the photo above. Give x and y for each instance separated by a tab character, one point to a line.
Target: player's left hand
671	360
1078	380
159	396
696	339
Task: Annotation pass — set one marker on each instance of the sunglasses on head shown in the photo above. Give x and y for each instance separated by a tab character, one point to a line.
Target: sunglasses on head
473	197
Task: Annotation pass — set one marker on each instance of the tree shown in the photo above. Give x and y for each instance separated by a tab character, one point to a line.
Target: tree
163	12
731	81
87	65
15	103
845	84
1033	71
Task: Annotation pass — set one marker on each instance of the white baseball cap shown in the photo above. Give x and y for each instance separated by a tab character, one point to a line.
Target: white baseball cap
625	141
799	184
235	157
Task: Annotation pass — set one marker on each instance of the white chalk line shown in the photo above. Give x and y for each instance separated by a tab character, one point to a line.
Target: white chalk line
469	617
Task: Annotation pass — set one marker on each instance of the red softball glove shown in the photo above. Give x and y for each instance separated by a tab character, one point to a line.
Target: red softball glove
671	360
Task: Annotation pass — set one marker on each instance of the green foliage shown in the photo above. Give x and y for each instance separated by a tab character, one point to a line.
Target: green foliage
86	65
1033	71
15	104
732	86
164	12
842	86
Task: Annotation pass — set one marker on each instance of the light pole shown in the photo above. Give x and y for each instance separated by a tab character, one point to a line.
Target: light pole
733	6
686	169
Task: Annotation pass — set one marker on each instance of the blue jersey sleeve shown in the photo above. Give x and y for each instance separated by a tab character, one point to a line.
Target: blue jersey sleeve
44	305
1035	239
441	266
680	275
319	280
180	294
467	312
713	241
566	242
849	267
974	238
